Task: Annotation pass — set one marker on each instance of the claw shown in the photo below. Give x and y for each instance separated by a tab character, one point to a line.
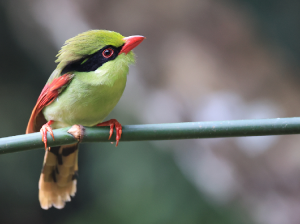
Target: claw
113	123
46	128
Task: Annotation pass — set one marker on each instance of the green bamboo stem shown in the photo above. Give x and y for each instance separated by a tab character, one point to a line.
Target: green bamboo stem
188	130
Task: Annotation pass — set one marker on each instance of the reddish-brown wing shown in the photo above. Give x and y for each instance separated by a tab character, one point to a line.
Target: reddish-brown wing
47	96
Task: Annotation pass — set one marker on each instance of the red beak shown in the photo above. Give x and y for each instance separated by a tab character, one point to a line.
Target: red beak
130	43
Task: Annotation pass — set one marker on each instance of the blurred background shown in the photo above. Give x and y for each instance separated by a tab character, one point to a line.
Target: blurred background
203	60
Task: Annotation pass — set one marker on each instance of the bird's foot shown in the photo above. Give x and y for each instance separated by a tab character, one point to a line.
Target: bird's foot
113	123
77	131
46	128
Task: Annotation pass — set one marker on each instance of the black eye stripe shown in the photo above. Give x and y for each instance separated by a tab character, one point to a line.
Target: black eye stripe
92	62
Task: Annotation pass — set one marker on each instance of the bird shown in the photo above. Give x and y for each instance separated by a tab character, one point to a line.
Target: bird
86	85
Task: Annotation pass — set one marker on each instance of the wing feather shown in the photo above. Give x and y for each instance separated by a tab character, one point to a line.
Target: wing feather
49	93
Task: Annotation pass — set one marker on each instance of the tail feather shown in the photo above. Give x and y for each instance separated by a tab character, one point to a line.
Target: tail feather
58	178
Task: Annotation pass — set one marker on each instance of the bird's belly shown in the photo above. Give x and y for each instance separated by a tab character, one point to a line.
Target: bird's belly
84	104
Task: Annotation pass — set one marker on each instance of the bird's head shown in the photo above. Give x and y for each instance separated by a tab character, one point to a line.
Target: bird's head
90	50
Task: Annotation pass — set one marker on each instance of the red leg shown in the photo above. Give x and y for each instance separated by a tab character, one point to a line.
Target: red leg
45	128
113	123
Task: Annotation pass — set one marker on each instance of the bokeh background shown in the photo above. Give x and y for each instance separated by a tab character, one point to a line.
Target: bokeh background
202	60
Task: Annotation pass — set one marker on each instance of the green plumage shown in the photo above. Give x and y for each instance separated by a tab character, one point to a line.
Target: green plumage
84	44
86	85
90	96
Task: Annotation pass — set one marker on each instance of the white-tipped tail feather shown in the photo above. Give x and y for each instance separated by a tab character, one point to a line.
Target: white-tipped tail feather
58	178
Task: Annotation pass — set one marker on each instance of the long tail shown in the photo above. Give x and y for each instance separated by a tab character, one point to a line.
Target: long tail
58	178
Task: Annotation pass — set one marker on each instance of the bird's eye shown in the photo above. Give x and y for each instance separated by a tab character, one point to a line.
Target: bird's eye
108	52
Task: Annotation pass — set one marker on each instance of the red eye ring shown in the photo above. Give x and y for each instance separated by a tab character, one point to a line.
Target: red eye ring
107	53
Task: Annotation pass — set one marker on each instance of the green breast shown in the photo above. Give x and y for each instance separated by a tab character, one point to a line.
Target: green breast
90	96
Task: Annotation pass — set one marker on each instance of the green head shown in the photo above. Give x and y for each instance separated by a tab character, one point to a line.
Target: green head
90	50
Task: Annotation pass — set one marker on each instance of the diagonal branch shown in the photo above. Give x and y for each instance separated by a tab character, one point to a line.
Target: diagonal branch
188	130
